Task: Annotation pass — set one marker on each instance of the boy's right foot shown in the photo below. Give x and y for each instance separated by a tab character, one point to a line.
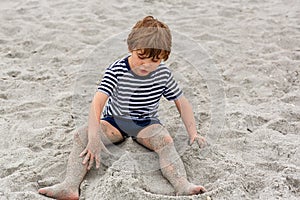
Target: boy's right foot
60	191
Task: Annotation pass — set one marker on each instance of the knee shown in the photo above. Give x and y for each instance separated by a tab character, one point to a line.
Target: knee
168	140
163	138
80	135
162	142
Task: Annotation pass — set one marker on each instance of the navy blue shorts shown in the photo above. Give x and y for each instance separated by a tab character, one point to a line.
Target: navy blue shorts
130	127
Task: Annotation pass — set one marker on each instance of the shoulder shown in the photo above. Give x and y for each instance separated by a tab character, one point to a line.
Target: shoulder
119	65
117	69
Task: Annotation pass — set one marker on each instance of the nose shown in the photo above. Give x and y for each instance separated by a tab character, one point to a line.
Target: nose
146	63
142	62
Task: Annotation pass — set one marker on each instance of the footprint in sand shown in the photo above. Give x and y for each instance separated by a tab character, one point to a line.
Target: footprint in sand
285	127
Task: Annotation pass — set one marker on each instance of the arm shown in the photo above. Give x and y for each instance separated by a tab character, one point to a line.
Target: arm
95	145
186	112
96	109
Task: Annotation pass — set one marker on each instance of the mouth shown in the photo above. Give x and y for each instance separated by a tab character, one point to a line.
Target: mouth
144	71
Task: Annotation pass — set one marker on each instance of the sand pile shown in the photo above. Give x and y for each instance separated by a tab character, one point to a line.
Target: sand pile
237	62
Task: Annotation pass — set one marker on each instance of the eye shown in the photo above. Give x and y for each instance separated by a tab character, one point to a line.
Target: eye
141	56
156	60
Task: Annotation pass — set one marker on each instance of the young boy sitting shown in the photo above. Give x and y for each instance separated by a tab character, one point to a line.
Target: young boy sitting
133	87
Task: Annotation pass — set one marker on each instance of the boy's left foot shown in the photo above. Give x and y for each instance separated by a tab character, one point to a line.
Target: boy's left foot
190	189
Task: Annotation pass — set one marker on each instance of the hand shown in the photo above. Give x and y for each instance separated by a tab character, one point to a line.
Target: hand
92	152
199	139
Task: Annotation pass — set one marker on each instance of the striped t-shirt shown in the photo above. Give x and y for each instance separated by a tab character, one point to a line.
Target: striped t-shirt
133	96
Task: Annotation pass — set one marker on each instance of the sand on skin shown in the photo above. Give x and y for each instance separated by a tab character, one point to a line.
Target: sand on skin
249	110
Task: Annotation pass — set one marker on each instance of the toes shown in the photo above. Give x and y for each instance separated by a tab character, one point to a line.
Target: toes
45	191
199	190
202	190
192	190
42	191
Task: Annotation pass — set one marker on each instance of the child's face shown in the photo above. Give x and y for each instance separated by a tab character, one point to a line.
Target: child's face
142	65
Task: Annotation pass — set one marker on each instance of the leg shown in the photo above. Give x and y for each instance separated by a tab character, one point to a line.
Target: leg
69	188
157	138
111	134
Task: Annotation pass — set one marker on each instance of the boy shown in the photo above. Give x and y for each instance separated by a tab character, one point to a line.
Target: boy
133	87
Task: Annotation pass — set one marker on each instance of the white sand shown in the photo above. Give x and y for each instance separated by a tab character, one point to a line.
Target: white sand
242	78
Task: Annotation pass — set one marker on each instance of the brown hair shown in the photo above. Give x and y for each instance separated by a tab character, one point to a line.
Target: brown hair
152	37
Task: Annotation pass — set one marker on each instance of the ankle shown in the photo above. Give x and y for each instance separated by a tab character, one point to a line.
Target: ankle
68	184
181	185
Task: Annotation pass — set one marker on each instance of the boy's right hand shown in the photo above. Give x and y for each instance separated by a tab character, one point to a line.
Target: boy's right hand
91	152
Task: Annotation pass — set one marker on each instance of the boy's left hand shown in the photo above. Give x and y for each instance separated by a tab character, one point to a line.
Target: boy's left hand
201	141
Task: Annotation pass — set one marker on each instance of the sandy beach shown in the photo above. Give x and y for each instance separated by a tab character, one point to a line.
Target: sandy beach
237	62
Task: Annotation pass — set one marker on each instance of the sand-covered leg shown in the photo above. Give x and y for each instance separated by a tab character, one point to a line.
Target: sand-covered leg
173	169
157	138
69	188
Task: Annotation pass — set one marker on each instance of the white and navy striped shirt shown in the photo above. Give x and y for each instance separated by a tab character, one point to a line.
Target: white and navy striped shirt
133	96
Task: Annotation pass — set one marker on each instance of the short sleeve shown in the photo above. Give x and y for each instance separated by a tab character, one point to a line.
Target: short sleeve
108	82
172	90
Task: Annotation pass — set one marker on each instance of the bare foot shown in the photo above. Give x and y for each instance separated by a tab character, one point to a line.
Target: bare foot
190	189
60	191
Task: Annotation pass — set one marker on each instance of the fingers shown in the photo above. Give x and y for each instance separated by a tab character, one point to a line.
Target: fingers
92	153
97	161
191	141
86	158
201	142
83	153
89	158
91	162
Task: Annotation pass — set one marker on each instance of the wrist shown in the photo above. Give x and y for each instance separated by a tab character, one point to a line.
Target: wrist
192	133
